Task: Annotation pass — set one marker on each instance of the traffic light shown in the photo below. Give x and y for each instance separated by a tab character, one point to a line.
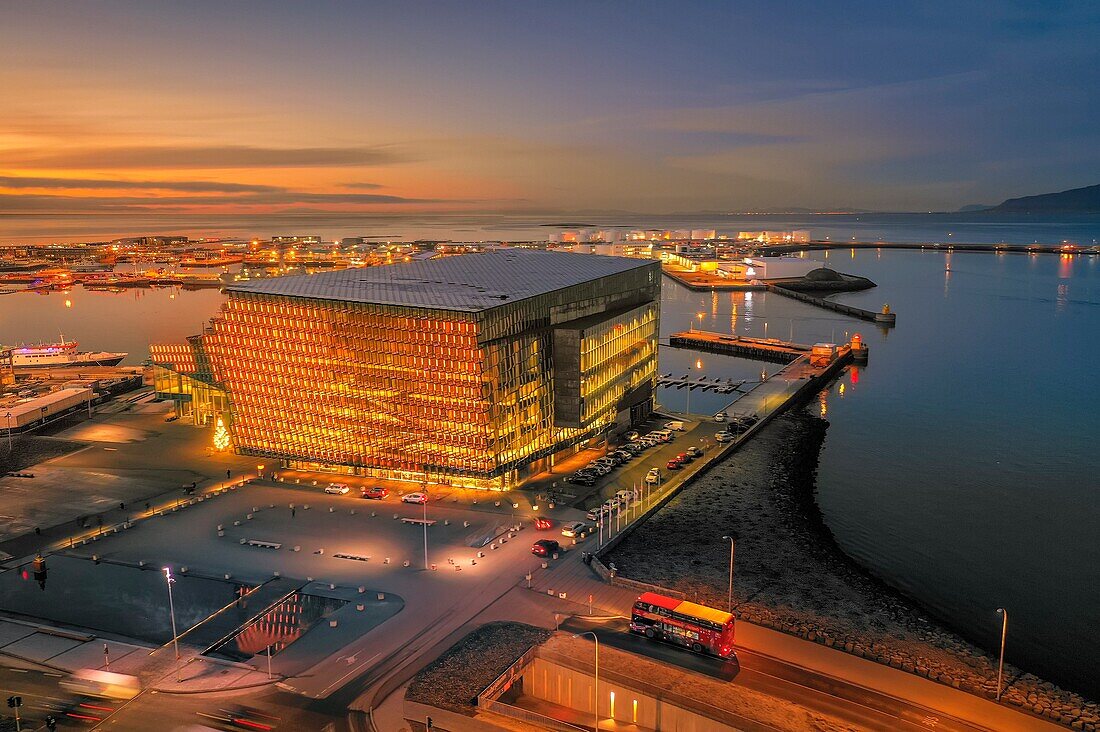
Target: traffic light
430	725
51	723
15	702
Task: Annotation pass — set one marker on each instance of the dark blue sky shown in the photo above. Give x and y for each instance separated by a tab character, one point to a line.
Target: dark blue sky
570	106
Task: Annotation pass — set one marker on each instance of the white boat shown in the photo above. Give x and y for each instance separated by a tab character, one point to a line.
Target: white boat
48	355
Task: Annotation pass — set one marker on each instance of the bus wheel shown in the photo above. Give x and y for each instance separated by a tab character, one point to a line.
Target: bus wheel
649	633
696	647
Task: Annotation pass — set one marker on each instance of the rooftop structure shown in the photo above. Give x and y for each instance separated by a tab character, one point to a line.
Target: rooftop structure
470	283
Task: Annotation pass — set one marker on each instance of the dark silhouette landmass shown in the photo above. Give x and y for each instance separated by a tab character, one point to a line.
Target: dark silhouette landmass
1076	200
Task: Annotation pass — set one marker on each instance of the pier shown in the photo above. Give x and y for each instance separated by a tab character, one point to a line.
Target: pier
885	317
772	350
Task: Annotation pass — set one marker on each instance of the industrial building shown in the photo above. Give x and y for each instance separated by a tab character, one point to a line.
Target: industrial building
476	370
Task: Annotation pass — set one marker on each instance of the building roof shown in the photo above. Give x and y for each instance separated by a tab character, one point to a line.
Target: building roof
468	283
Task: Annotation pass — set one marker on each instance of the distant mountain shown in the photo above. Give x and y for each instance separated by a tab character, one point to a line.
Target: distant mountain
976	207
1076	200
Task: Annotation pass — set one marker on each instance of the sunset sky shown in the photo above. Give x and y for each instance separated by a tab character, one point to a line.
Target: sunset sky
531	107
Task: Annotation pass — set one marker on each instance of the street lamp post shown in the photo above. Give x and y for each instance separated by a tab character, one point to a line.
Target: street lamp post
172	612
596	676
8	417
1001	665
729	601
425	506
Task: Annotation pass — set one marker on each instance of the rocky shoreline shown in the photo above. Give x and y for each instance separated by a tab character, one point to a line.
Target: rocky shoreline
791	575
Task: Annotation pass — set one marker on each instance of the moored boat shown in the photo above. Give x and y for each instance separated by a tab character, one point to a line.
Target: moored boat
47	355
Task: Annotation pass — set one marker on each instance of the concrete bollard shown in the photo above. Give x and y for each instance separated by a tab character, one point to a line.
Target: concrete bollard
297	548
406	562
305	507
249	517
220	527
277	574
255	509
141	563
331	586
183	570
320	551
473	562
545	565
373	514
236	523
433	566
458	568
480	554
95	558
395	516
362	589
332	623
331	509
509	533
497	504
359	606
221	533
550	592
244	541
386	560
465	524
353	512
493	545
271	505
309	579
446	522
227	575
381	596
550	505
561	595
555	555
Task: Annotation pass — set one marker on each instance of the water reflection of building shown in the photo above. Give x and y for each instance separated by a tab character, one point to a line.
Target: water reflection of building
476	370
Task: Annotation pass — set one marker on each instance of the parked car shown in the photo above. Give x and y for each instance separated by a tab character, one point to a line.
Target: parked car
674	464
721	417
653	477
724	436
634	448
596	514
693	451
573	529
610	459
675	426
623	455
376	492
685	458
625	496
337	488
542	523
631	436
585	479
415	498
662	435
545	547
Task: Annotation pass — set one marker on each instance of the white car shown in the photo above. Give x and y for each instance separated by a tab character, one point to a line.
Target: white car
721	417
573	529
653	477
338	489
723	436
624	496
415	498
674	426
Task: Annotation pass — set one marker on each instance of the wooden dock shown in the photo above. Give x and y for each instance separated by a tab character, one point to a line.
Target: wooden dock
885	318
718	386
771	350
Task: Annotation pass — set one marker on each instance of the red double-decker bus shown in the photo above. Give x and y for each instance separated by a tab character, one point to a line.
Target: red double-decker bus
698	627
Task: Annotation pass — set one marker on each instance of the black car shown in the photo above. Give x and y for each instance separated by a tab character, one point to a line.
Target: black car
545	548
586	479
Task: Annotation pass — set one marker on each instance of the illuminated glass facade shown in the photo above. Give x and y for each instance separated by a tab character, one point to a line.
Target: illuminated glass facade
441	371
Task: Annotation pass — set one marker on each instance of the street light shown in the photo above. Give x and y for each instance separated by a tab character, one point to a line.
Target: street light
172	611
8	416
1001	665
596	704
733	542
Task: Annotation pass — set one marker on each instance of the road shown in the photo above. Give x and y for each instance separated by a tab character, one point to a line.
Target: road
854	704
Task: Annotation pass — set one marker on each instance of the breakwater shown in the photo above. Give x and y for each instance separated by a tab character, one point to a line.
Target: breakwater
885	317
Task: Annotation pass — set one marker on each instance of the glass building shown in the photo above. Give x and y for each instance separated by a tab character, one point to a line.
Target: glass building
475	370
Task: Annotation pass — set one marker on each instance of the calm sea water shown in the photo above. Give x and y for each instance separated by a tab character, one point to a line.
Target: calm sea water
961	465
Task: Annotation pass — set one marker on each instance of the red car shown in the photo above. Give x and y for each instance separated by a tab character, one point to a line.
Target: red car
685	458
377	492
543	523
674	464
